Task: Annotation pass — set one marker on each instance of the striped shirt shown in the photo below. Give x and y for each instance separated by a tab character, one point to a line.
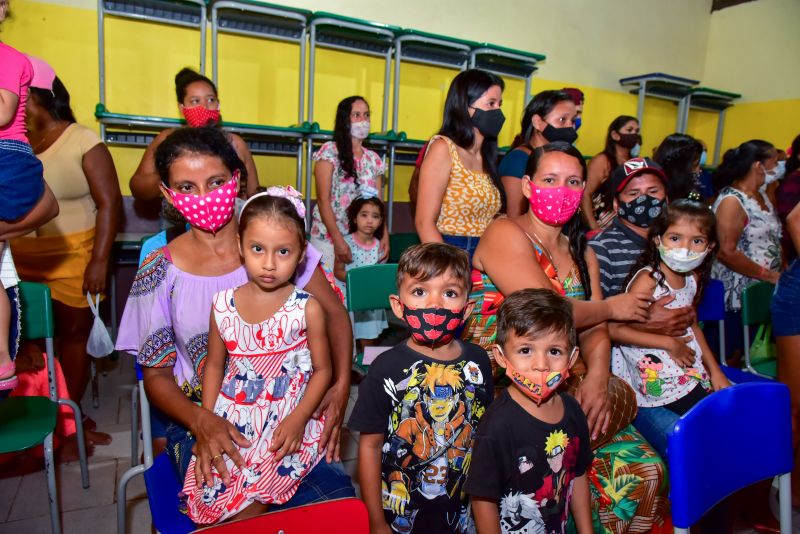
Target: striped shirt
617	249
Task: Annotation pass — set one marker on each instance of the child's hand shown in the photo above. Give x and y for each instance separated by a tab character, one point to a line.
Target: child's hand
719	381
630	307
288	437
680	351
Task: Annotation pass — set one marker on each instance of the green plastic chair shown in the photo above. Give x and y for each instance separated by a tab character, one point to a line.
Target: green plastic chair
368	288
398	243
28	421
756	299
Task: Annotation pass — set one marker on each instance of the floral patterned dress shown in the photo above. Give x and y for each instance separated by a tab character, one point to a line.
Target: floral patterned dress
344	189
627	478
268	368
760	242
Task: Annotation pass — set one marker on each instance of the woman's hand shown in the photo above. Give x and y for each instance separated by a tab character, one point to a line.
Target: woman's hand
342	250
94	278
592	394
772	276
680	351
333	406
719	381
288	437
626	307
215	436
383	251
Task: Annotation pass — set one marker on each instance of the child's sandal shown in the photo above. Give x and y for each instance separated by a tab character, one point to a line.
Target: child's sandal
8	378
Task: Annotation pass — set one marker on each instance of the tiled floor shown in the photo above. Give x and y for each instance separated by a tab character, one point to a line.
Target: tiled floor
93	510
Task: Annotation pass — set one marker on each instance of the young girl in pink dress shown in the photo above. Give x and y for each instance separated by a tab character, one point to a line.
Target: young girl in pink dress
267	368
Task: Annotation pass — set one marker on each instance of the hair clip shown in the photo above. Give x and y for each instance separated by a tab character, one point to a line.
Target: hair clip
368	192
289	193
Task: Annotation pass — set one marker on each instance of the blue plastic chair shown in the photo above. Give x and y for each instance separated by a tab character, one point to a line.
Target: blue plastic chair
712	308
159	477
747	417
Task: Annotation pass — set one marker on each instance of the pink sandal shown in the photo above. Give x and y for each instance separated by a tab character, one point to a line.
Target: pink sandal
9	379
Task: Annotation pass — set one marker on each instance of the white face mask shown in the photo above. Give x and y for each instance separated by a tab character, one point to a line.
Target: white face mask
359	130
681	260
637	148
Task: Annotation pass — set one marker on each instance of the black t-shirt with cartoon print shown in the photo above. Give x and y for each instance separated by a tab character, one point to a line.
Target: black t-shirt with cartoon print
528	466
427	411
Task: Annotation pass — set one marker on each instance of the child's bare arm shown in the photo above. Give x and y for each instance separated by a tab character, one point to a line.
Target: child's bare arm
339	271
289	434
581	505
8	106
214	369
487	517
369	480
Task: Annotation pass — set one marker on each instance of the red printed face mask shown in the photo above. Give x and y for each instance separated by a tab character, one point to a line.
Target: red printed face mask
200	116
433	326
538	385
211	211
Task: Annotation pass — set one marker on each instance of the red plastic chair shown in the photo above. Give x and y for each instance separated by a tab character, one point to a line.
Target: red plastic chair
339	516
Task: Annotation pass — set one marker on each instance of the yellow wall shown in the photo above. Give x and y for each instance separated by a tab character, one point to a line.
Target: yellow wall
588	44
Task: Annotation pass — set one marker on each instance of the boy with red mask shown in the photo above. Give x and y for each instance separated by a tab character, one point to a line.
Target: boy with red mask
419	406
532	449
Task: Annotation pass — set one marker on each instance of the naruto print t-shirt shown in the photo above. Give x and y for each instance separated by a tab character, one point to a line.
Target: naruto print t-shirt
428	412
528	466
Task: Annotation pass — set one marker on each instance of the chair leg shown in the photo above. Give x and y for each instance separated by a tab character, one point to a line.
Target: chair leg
95	385
786	502
52	490
122	499
76	411
135	426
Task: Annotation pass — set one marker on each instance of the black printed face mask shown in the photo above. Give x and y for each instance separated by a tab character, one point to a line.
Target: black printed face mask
433	326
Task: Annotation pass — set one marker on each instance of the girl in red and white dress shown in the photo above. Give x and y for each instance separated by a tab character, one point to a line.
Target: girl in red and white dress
272	336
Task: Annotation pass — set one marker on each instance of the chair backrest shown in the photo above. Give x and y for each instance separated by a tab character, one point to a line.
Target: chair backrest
755	303
399	242
36	311
369	287
751	419
712	306
339	516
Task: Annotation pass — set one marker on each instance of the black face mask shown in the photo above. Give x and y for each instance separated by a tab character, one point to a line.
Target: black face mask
628	140
642	210
566	134
490	122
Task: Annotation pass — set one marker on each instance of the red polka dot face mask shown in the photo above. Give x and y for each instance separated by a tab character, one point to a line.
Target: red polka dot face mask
211	211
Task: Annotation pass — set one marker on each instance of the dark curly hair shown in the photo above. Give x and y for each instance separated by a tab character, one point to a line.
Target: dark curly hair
677	154
356	205
341	134
207	141
672	213
275	208
574	229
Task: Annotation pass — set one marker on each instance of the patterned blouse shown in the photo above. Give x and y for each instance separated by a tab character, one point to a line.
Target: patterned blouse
760	242
344	189
471	200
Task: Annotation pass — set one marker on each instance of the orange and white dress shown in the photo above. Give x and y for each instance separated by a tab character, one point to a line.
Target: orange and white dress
269	366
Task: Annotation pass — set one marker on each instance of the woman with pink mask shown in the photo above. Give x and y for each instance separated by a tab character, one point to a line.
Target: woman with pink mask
200	106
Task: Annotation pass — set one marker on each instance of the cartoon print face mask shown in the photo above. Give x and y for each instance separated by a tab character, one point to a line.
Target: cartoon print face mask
433	326
539	385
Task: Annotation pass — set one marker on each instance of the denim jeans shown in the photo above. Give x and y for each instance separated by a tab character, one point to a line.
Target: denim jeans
465	243
655	424
324	482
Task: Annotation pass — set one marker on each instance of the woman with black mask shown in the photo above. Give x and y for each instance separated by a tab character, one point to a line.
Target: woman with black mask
459	192
548	118
623	142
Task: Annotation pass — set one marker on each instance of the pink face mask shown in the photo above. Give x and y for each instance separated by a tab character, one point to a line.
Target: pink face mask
200	116
555	205
211	211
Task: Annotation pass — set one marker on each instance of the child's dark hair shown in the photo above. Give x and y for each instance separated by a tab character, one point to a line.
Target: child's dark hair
672	213
534	312
341	134
55	102
574	228
677	154
356	205
276	208
188	76
207	141
428	260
